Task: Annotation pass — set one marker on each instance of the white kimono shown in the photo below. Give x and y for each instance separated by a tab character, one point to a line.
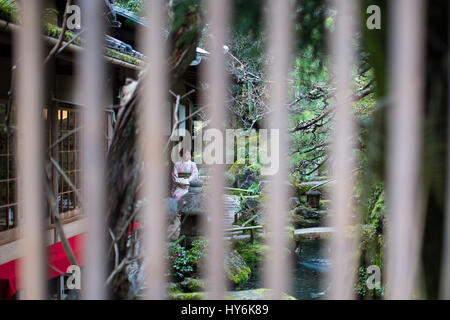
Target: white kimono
183	173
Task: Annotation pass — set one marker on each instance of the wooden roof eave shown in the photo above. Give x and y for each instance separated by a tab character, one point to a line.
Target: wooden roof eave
72	48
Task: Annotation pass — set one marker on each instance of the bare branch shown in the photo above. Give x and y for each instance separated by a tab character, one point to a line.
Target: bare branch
61	36
303	127
66	178
58	225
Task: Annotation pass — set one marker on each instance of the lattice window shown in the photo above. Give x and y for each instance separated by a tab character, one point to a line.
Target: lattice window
68	119
8	177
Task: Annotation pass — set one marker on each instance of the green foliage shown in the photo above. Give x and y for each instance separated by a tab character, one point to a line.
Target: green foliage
123	57
192	284
198	250
9	10
183	24
179	262
54	32
134	6
371	247
361	288
239	275
183	262
252	253
309	17
247	17
254	187
229	179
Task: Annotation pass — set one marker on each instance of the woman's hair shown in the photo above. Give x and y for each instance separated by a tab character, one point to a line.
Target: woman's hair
182	152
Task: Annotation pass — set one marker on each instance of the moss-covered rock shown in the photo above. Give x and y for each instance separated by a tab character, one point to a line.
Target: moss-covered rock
174	288
192	284
256	294
238	272
252	253
250	207
299	220
187	296
325	204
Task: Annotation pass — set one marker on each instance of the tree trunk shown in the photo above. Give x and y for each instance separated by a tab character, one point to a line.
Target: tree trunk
123	166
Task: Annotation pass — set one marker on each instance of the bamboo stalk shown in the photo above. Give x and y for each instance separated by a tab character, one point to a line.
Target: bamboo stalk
249	220
243	228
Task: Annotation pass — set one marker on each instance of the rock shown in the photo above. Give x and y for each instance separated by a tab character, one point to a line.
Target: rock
307	213
172	207
185	296
301	222
196	183
249	208
293	202
236	269
135	272
192	204
192	284
195	186
230	179
255	294
252	204
173	230
252	252
301	217
174	288
245	179
195	189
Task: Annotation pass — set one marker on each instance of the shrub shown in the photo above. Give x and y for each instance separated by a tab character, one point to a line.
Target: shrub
183	262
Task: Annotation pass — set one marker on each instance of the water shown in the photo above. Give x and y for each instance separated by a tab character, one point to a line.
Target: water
309	273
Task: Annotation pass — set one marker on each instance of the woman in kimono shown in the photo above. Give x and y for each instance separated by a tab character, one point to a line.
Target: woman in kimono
183	173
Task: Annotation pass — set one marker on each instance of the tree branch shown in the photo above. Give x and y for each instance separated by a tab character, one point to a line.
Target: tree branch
58	225
61	36
323	115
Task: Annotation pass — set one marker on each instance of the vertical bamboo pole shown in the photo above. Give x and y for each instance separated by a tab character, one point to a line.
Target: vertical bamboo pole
218	13
342	248
91	82
404	147
445	267
276	266
27	53
153	103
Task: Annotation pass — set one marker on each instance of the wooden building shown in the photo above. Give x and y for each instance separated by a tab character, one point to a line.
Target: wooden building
61	114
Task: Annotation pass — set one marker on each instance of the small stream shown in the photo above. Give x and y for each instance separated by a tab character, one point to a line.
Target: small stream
310	270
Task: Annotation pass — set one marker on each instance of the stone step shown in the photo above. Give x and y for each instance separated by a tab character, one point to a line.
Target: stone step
313	233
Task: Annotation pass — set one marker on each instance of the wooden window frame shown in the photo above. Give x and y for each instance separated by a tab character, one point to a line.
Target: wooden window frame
9	153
